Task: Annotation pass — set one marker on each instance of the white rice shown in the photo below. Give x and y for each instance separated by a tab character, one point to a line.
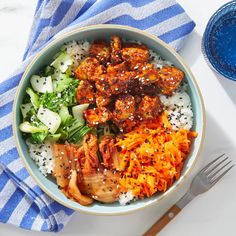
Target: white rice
78	50
179	109
126	198
178	105
158	60
43	156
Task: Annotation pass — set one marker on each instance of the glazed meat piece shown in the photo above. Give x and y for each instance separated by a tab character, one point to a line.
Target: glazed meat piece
102	100
141	66
85	92
137	98
142	90
134	53
109	152
97	116
101	51
88	68
101	186
119	68
146	79
170	79
114	83
150	89
147	73
116	45
149	108
124	107
124	113
126	125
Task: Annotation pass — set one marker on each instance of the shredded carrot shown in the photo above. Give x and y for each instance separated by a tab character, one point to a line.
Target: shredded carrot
152	156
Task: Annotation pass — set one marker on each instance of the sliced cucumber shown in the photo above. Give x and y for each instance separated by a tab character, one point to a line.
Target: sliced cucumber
64	114
41	84
62	62
28	128
51	119
25	108
78	110
34	98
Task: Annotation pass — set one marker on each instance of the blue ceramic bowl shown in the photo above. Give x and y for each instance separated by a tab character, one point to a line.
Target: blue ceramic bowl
91	33
219	41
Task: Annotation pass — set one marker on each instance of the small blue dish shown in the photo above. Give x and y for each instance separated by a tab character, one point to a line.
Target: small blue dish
219	41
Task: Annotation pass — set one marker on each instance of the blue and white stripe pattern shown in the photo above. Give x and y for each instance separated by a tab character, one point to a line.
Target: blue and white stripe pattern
22	202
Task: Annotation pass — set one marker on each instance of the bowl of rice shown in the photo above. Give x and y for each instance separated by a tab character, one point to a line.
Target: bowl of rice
183	111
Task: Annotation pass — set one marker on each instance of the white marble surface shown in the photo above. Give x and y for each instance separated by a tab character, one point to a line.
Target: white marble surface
213	213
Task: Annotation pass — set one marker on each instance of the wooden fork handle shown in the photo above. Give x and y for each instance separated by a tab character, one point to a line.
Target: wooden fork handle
163	221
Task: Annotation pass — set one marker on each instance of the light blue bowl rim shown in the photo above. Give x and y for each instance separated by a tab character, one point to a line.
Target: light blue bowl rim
201	116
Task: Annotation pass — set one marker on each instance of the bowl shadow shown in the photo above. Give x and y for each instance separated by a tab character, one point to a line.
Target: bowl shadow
191	44
228	85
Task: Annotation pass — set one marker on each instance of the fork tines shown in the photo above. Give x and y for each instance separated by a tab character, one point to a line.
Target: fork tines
216	169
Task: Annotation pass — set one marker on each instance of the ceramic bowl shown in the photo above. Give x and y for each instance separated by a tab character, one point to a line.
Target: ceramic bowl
90	33
218	44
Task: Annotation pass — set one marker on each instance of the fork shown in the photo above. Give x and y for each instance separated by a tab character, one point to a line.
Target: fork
203	181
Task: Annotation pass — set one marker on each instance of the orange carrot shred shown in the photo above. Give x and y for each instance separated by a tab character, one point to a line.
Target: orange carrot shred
152	156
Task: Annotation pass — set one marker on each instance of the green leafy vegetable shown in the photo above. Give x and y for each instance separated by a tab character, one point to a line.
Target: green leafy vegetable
62	62
62	82
73	130
28	127
76	125
49	118
64	114
52	101
69	127
49	70
53	137
78	110
38	138
77	137
47	107
25	108
69	94
41	84
34	98
31	116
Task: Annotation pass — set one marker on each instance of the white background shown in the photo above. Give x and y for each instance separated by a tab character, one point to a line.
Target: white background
213	213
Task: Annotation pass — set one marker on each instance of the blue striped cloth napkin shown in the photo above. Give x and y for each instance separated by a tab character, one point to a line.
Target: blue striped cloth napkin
22	202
